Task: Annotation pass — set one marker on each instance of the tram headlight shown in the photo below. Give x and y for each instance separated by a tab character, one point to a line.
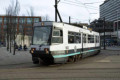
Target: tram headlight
42	24
46	50
67	51
32	50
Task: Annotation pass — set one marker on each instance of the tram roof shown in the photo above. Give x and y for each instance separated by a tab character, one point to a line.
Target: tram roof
49	23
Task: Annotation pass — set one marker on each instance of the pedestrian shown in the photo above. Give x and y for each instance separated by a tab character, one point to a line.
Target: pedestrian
16	46
20	48
25	47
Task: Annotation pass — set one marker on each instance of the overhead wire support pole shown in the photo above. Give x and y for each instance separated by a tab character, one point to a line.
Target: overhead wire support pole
56	2
104	32
59	16
69	19
56	11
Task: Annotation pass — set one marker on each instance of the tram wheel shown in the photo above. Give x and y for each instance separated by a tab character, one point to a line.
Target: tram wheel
71	59
75	58
78	57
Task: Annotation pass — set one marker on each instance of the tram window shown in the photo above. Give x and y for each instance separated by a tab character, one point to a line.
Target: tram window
71	37
84	38
90	38
97	39
56	33
57	36
78	38
57	40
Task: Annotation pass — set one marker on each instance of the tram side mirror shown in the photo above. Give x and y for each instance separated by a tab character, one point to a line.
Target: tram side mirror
56	33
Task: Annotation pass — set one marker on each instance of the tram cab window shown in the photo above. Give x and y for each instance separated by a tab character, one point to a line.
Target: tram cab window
56	33
97	39
57	36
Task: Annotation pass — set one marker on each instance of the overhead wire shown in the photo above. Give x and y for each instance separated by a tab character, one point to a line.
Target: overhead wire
94	2
85	6
80	4
72	3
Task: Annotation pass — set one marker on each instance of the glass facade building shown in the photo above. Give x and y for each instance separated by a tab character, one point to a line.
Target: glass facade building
110	9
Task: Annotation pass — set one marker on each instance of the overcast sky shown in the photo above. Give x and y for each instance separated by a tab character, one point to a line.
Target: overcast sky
79	11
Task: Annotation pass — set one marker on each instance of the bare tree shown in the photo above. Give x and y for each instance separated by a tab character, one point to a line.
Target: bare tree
45	18
30	12
12	12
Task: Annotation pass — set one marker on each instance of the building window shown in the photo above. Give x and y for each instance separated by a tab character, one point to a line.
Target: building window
0	28
119	25
0	20
115	26
5	28
29	20
36	20
22	20
5	20
21	29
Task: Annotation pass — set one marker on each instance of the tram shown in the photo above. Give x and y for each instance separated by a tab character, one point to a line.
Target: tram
55	42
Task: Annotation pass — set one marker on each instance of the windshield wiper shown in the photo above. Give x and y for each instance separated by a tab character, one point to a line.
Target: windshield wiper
41	45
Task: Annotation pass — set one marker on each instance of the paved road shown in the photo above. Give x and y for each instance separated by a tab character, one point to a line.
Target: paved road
112	48
105	66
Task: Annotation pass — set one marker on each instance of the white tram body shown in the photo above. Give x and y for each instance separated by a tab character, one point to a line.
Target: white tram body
55	42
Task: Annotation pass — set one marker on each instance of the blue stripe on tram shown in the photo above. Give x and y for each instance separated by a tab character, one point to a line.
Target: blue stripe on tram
72	54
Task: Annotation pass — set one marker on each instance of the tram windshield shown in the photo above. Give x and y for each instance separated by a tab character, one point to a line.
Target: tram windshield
42	35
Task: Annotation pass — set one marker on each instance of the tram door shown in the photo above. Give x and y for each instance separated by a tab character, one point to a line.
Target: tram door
84	45
84	37
95	40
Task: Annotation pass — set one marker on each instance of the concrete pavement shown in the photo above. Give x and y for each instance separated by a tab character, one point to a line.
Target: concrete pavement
104	66
7	58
